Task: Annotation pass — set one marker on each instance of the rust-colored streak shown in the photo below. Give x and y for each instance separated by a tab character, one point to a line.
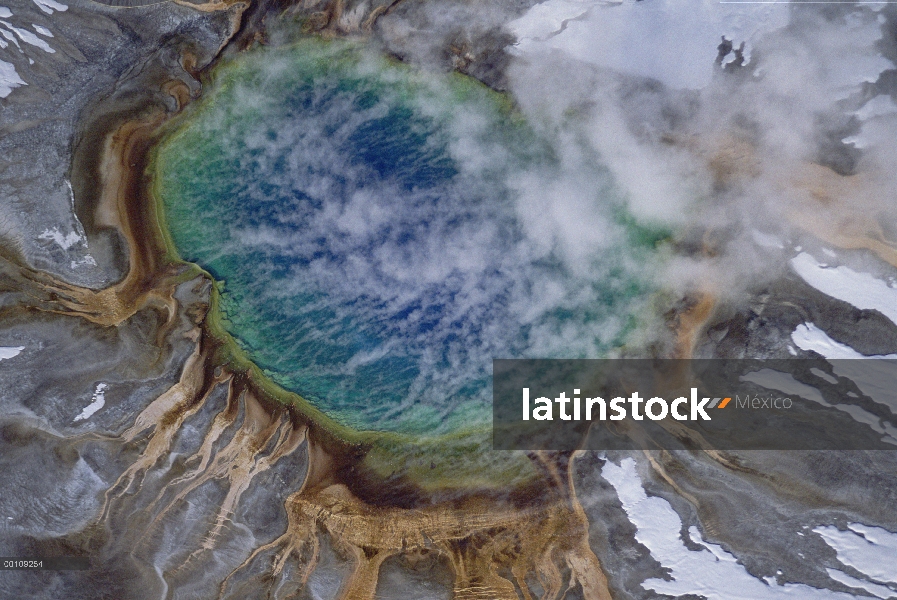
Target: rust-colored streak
123	205
691	323
164	416
484	540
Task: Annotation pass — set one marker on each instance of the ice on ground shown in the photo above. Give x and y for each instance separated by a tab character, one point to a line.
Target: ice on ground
862	290
548	18
70	239
98	401
875	379
10	351
9	79
711	572
9	36
42	30
29	38
64	241
879	591
870	550
823	375
810	338
48	6
787	384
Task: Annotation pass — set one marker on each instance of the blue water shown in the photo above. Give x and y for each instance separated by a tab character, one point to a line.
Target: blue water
382	235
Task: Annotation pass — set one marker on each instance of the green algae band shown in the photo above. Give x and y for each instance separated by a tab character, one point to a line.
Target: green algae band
383	234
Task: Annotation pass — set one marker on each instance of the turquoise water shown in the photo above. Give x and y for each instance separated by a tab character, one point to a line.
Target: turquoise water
383	234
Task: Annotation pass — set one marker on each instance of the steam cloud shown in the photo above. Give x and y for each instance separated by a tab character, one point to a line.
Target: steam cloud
758	122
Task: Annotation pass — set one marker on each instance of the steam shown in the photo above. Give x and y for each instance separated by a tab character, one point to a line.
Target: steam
785	126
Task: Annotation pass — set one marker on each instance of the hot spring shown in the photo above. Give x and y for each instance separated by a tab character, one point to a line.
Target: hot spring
381	234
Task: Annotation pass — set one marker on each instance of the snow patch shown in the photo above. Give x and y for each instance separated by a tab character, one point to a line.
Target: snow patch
10	351
861	290
64	241
73	237
876	590
711	572
810	338
48	6
823	375
787	384
784	382
874	378
8	35
29	38
98	401
870	550
9	78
